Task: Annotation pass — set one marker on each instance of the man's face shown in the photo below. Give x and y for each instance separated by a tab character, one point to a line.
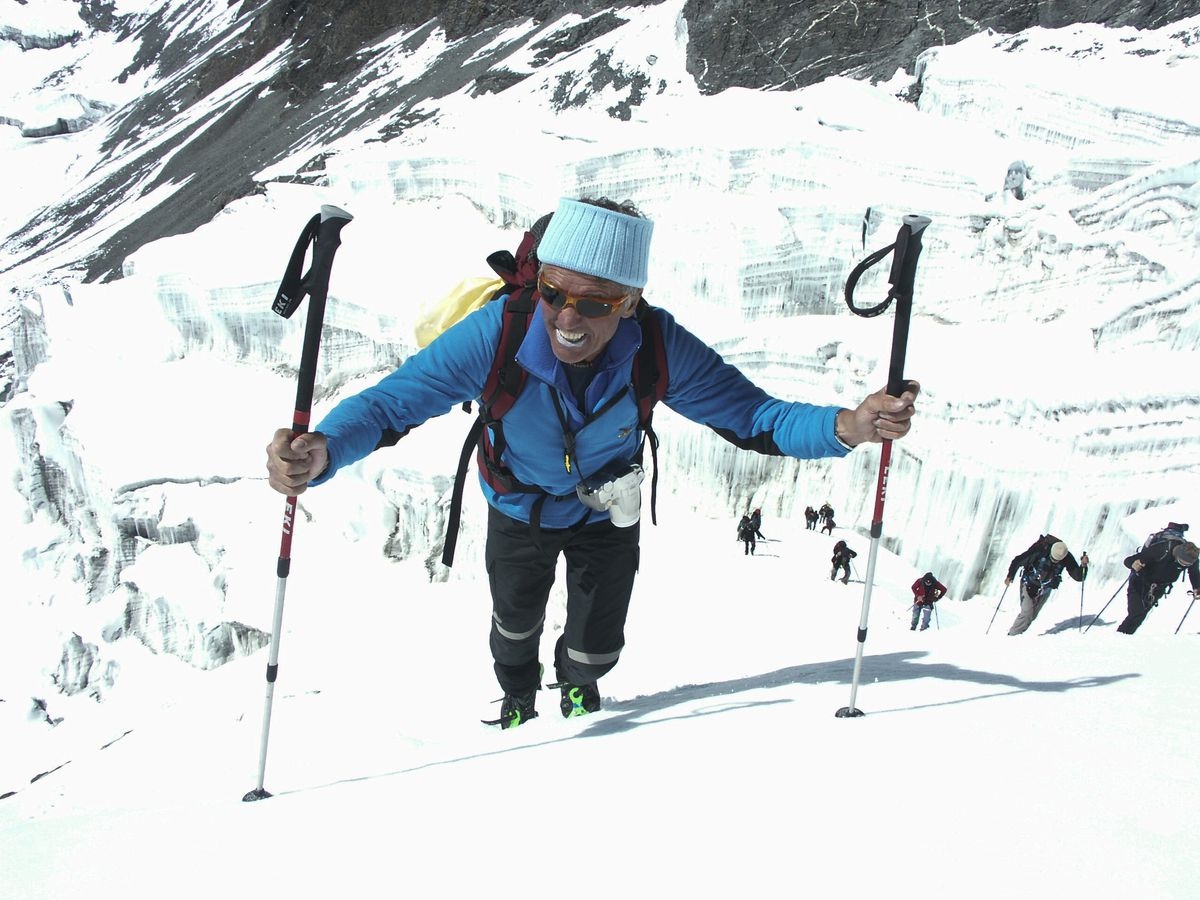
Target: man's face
575	338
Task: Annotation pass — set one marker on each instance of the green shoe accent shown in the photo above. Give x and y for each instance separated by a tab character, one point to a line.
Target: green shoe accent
576	697
517	709
578	700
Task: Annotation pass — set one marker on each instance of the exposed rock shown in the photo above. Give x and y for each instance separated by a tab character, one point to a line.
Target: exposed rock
328	49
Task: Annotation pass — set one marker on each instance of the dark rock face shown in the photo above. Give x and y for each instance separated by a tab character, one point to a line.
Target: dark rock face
328	52
733	43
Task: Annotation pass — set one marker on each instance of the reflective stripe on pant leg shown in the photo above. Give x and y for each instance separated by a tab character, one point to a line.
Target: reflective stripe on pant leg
602	562
520	574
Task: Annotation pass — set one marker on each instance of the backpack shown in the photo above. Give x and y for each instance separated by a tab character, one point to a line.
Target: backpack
1160	545
465	297
506	378
1040	571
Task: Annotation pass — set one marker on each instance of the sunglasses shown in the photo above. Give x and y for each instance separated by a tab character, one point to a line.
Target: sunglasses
588	307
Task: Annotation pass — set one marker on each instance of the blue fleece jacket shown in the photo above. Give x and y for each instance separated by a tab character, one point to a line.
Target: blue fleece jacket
454	367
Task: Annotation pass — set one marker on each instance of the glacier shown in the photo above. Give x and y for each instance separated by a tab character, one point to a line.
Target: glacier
1055	335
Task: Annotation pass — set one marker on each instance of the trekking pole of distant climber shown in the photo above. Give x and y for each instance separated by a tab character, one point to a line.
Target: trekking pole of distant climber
323	233
1081	607
1188	610
905	252
1002	593
1105	606
936	620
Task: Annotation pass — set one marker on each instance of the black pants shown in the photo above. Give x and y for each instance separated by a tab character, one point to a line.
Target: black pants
1142	597
601	562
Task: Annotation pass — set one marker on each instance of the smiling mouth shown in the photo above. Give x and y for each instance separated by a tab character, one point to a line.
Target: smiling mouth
571	338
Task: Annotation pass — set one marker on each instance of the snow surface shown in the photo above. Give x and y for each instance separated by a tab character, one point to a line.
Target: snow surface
1057	763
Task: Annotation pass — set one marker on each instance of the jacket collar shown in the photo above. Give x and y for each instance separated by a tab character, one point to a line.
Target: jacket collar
537	357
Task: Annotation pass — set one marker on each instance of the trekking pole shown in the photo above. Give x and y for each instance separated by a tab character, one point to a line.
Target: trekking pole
1188	610
1081	607
322	231
936	620
1105	606
905	252
1002	593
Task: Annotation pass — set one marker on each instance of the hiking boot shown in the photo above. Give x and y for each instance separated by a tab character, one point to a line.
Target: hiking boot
517	709
578	700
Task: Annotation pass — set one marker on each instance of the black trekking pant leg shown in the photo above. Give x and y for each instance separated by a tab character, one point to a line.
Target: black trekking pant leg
1140	601
520	573
602	563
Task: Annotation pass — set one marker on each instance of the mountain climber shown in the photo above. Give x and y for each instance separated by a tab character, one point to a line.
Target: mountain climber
1041	572
927	590
572	441
841	560
756	523
825	513
745	534
1154	569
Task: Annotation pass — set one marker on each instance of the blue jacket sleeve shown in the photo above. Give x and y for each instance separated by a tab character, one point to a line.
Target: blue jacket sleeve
708	390
450	371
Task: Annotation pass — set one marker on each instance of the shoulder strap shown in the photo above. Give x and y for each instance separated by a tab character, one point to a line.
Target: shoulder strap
651	379
505	377
505	380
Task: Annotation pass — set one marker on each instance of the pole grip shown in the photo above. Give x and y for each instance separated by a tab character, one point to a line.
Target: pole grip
316	284
903	275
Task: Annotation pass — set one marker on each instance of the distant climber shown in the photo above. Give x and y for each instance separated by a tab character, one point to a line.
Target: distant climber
927	590
841	560
745	534
1015	178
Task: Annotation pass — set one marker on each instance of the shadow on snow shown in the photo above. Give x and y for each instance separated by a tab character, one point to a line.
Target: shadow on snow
625	715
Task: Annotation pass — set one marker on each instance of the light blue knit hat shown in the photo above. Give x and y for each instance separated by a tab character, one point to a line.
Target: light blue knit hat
598	242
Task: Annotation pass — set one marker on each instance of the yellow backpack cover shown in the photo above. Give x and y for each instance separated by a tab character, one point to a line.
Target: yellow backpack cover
466	297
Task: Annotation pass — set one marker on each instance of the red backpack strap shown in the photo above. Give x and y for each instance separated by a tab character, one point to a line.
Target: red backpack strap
650	382
520	270
505	380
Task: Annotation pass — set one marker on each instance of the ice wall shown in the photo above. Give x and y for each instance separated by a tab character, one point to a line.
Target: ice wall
1055	333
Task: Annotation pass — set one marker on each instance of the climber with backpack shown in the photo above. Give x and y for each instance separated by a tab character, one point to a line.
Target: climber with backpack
553	364
927	590
1041	568
840	560
1155	568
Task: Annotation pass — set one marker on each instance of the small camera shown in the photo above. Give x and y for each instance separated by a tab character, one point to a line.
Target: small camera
616	488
